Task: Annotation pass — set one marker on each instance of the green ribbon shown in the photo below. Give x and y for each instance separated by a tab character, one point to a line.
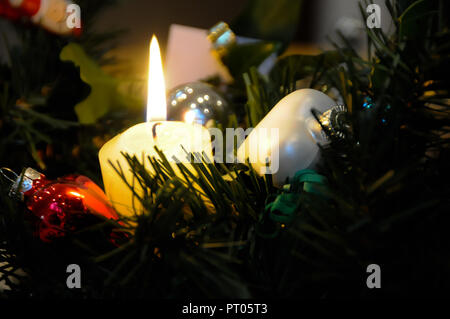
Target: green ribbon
282	207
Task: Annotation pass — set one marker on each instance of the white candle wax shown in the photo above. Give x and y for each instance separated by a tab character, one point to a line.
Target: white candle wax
139	140
169	136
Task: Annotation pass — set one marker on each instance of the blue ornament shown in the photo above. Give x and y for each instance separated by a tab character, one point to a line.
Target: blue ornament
368	102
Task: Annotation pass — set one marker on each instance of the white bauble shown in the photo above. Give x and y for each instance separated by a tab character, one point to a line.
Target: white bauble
298	135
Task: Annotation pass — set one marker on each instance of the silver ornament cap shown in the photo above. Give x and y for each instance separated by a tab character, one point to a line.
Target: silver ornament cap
20	183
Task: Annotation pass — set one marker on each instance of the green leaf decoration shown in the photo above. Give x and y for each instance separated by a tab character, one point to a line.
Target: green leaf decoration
105	94
269	20
204	230
242	57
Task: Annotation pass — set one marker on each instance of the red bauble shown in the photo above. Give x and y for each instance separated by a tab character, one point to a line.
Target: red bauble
51	15
64	205
17	9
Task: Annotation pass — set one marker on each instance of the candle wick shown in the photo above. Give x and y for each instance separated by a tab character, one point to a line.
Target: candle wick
154	129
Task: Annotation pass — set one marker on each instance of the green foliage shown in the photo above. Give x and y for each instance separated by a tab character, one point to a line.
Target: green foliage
269	20
202	235
104	94
197	235
263	94
38	95
255	53
273	23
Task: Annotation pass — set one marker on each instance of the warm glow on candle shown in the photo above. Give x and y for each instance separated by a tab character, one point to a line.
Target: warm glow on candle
189	117
156	93
173	138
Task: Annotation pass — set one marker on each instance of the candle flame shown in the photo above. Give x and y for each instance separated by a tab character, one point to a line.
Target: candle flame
189	117
156	93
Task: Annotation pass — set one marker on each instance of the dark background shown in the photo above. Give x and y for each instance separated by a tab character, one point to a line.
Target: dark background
318	20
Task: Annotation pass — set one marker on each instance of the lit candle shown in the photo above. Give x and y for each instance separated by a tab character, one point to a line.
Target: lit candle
169	136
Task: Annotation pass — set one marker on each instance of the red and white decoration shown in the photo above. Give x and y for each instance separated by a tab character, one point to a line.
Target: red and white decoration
51	15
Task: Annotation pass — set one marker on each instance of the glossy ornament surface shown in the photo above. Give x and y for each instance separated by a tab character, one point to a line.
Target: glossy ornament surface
287	136
64	205
195	102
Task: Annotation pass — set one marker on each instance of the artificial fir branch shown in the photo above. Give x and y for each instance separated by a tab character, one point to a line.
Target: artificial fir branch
205	235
